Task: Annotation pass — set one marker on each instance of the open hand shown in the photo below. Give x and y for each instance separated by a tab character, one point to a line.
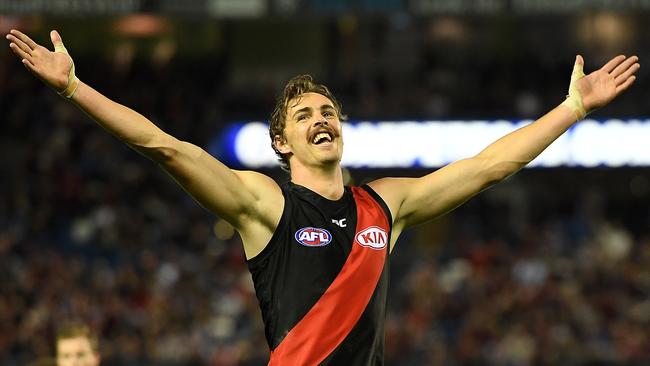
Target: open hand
603	85
53	67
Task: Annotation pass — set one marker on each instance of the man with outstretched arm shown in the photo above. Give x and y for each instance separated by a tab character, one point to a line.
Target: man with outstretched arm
318	251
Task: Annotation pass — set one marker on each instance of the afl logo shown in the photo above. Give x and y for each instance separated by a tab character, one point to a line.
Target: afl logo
313	237
373	237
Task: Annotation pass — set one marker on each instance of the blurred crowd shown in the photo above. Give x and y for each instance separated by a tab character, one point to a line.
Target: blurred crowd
550	298
535	272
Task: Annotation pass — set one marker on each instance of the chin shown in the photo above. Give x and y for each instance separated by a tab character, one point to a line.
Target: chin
331	157
332	161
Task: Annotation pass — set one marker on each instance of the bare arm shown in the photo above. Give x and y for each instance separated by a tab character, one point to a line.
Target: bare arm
245	199
233	195
414	201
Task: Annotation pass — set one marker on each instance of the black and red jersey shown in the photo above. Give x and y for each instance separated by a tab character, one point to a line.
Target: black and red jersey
322	279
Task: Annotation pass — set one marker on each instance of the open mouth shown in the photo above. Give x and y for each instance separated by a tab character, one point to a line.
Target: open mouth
322	137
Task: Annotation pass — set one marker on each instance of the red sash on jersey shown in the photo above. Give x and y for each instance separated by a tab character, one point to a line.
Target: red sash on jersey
334	315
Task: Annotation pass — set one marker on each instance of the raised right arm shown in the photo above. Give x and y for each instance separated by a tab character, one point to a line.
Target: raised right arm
234	195
250	201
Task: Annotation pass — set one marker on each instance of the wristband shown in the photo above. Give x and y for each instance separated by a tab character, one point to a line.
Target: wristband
73	81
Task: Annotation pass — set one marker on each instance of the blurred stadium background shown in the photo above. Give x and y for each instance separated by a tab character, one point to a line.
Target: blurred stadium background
552	267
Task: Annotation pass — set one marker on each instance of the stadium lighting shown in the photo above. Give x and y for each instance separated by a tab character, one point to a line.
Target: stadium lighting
430	144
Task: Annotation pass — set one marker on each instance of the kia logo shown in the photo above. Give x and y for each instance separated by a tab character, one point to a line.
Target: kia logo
372	237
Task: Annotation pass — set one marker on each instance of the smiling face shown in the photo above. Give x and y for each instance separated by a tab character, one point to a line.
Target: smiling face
286	107
312	133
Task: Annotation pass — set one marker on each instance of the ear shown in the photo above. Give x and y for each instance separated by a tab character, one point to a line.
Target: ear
280	145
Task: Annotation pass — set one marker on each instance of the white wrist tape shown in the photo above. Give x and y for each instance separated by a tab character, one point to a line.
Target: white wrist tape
73	81
574	99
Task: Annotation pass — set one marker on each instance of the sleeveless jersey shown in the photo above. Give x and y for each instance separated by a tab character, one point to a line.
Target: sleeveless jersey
322	279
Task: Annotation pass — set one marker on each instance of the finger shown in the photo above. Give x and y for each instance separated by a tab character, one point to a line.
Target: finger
578	66
608	67
22	45
624	66
57	42
19	52
626	75
55	37
623	87
23	37
29	65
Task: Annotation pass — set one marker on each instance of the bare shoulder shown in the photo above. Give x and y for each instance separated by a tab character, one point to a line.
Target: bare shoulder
257	181
393	191
262	220
268	197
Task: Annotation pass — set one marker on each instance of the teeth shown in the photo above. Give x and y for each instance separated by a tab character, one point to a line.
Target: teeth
322	135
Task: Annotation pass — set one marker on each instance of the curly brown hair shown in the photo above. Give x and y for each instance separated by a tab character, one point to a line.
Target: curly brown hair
295	87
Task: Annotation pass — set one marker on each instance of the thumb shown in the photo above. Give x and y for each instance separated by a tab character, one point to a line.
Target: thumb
574	99
578	71
57	42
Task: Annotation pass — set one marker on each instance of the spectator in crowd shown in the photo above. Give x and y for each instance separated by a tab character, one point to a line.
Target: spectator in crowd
77	345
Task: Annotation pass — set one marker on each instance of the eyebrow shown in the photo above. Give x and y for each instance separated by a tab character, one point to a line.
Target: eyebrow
306	109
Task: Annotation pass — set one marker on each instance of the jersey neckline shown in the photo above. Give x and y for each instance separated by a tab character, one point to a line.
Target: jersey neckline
319	200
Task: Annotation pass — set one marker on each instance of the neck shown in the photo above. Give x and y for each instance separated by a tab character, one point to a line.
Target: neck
326	182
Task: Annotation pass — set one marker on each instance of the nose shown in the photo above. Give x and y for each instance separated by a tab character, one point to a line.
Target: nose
321	121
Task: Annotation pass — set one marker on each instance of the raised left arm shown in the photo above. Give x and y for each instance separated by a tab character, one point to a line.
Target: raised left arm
416	200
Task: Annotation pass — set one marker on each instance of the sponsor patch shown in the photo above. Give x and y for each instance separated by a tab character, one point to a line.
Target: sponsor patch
373	237
313	237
